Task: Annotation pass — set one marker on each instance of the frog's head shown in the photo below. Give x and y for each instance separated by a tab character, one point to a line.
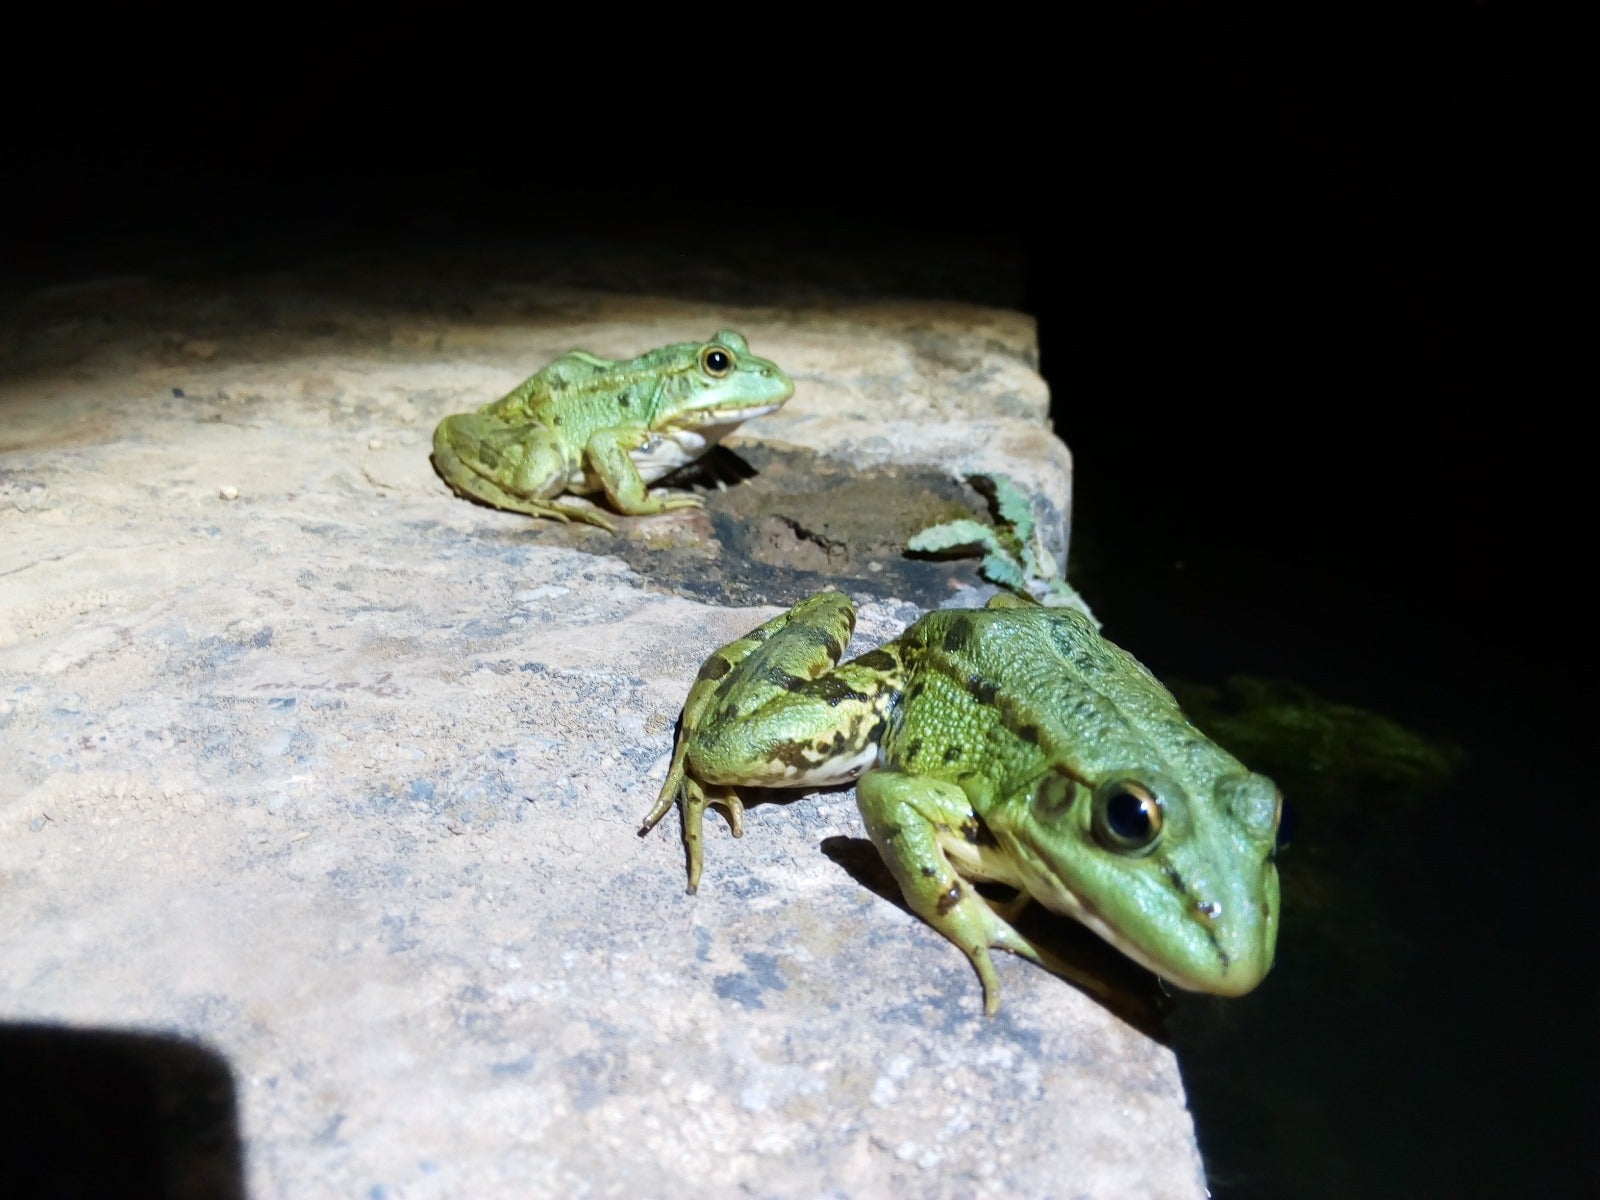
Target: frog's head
1180	878
713	388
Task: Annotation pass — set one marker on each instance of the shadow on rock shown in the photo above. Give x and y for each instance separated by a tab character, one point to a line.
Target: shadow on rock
92	1112
1117	984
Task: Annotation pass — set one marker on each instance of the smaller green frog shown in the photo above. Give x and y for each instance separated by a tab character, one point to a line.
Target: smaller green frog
587	424
1011	745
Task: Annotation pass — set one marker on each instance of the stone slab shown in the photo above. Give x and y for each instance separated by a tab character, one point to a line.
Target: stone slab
306	759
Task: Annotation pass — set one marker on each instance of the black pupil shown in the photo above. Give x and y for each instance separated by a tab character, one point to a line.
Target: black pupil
1128	817
717	361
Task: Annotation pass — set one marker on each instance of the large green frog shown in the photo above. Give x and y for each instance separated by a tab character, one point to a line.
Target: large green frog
587	424
1011	744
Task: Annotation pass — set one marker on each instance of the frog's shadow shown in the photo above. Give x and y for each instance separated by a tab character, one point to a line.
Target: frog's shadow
1118	985
719	467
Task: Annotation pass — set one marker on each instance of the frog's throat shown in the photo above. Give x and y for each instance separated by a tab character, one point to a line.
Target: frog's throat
681	441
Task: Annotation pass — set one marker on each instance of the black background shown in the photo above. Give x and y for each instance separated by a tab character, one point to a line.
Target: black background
1299	285
1284	265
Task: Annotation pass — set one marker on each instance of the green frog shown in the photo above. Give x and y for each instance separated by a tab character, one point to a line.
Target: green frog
586	424
1013	745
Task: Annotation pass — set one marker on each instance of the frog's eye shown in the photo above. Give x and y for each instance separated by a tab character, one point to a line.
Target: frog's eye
715	361
1127	817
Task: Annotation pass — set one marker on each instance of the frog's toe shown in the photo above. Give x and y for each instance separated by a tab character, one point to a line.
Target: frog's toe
681	500
974	924
698	799
587	516
1004	937
670	791
987	976
730	803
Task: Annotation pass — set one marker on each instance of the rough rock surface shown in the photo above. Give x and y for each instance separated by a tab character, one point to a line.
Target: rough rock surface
307	760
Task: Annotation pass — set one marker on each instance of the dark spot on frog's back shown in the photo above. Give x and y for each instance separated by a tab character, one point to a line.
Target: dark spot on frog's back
835	691
1029	733
958	636
823	639
877	660
983	689
780	678
951	753
715	668
1072	642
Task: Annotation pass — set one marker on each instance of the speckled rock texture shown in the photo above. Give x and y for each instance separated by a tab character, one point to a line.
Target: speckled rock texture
311	762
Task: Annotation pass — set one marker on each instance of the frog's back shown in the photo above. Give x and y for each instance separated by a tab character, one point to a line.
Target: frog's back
1056	690
563	382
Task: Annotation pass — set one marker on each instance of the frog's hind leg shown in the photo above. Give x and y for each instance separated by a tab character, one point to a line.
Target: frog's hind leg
782	713
751	720
492	494
519	468
487	491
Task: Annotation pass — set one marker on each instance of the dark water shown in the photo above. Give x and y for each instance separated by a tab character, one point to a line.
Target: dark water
1310	446
1429	1026
1287	270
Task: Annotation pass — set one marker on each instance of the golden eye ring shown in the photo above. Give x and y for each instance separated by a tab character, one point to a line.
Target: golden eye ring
1127	817
716	361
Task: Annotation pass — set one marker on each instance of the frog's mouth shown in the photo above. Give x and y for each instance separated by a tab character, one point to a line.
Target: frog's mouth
1220	976
1068	903
1165	968
1200	965
714	424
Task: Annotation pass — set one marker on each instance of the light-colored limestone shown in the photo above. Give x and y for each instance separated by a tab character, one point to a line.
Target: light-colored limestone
304	757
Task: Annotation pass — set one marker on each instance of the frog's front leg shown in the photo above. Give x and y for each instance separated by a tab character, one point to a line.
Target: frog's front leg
767	711
913	821
514	467
608	453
